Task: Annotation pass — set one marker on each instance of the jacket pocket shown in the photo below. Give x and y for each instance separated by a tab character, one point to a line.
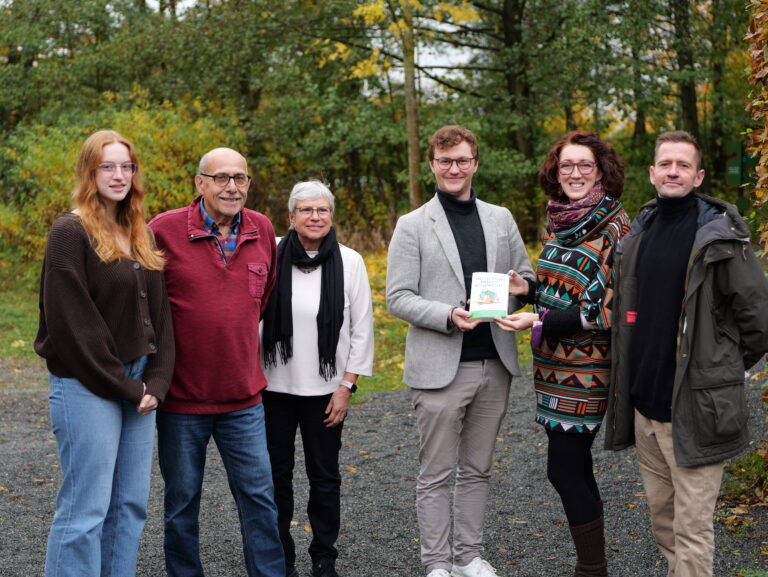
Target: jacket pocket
719	410
257	278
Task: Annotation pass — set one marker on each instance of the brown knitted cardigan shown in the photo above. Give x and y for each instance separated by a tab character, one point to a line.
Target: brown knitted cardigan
95	317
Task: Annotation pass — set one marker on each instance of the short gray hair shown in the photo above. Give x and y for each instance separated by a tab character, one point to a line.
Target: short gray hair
310	190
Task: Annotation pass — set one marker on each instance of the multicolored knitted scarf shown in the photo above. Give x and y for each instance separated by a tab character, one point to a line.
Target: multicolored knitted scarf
564	215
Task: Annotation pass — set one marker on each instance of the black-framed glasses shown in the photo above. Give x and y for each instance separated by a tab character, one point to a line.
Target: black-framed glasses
307	211
585	167
127	168
446	163
241	180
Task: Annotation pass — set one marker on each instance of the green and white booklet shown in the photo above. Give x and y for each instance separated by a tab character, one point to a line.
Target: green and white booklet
489	296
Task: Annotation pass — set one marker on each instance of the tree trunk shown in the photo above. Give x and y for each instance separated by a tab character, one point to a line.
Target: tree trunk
519	91
716	152
639	132
685	65
411	108
518	87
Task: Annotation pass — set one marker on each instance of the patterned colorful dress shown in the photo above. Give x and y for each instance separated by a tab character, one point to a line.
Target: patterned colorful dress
575	269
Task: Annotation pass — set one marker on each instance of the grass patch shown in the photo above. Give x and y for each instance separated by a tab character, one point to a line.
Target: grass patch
389	331
18	322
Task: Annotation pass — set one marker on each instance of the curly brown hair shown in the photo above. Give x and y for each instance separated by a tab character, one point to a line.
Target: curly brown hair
608	162
450	136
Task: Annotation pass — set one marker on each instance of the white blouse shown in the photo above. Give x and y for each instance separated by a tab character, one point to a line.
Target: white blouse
354	353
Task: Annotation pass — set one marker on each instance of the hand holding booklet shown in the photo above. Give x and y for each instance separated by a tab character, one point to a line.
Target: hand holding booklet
489	296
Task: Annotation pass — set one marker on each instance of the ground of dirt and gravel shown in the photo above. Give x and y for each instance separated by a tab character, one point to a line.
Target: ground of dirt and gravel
526	534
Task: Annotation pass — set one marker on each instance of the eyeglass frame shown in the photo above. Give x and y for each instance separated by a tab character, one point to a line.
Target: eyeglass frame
111	167
457	161
578	165
312	211
229	177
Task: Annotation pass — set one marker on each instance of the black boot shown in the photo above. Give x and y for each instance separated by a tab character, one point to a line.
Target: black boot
590	549
324	567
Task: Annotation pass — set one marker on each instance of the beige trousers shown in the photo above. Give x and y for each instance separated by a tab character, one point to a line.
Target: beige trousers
458	426
682	500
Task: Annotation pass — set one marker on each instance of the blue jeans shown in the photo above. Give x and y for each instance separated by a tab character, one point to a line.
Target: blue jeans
105	451
241	439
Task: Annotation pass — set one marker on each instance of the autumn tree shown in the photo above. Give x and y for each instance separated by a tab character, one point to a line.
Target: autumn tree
757	37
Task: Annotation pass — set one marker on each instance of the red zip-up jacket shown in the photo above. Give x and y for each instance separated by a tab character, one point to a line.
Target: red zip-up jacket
216	307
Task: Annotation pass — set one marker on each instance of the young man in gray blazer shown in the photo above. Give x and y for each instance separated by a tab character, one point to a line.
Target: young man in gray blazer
459	369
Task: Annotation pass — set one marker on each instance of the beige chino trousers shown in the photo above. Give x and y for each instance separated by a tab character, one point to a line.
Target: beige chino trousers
458	426
682	500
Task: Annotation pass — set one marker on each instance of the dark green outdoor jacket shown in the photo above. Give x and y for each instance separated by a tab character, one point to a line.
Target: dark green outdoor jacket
723	331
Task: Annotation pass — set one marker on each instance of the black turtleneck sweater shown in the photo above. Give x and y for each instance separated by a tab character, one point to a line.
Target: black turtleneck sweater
662	264
468	233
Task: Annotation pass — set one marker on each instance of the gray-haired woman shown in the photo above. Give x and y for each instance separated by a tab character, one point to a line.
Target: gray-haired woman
317	339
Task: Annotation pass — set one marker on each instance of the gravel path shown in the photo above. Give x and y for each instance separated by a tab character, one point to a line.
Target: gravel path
526	534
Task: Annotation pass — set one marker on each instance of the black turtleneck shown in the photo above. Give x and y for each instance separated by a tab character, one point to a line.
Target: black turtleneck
662	264
468	233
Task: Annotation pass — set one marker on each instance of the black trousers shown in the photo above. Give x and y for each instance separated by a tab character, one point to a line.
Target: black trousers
285	413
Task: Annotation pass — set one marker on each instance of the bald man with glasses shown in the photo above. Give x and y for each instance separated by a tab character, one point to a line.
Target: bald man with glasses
220	271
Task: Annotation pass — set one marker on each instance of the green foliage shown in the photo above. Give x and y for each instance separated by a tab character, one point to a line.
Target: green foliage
316	89
38	166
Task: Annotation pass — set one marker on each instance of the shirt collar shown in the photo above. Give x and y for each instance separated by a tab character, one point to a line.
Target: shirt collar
210	225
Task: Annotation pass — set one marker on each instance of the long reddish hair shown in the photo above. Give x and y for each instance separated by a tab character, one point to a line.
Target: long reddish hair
130	211
608	162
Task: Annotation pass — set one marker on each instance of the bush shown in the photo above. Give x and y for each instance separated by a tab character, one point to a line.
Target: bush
37	167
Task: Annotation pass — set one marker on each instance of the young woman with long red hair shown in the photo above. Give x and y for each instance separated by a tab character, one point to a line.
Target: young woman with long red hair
106	335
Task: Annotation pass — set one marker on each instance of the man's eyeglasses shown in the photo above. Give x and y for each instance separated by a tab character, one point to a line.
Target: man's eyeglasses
447	163
306	211
241	180
585	168
127	168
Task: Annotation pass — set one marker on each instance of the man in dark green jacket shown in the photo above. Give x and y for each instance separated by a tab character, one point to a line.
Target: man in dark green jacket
689	320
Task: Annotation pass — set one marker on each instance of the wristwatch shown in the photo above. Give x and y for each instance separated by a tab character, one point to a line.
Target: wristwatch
351	386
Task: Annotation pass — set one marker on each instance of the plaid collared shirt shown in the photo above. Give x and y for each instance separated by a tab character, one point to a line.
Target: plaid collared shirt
226	243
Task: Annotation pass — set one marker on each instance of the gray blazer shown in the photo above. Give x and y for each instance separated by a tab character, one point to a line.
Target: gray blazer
425	279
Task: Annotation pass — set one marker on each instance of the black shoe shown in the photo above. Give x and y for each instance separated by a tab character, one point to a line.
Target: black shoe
324	568
290	571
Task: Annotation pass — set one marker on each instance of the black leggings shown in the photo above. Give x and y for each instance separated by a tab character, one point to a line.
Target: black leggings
569	469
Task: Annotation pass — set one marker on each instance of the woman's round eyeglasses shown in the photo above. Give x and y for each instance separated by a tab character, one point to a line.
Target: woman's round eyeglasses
127	168
585	168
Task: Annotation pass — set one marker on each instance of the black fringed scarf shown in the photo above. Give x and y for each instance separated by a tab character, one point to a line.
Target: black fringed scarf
277	333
